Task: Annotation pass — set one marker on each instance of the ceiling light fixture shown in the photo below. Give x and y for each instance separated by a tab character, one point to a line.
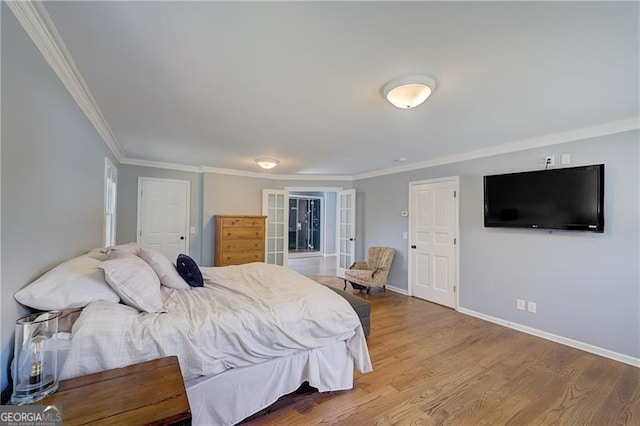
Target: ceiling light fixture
409	91
267	163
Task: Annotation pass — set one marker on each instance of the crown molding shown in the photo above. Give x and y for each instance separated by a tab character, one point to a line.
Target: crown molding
553	139
259	175
231	172
33	17
161	165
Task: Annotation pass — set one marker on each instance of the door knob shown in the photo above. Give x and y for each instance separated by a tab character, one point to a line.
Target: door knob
182	238
413	246
351	239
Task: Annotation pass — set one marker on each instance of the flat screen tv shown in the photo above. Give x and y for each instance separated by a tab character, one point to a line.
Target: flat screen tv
570	199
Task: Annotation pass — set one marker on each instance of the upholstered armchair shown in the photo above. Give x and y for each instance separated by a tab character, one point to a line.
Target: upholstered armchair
371	272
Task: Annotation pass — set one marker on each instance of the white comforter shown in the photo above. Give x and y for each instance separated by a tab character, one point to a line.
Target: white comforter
243	315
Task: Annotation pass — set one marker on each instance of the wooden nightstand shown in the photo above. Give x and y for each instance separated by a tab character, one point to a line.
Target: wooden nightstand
150	392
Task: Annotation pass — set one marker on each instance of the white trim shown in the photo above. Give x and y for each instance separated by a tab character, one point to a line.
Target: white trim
187	224
108	166
207	169
626	359
456	279
522	145
324	190
397	290
161	165
553	139
35	20
313	189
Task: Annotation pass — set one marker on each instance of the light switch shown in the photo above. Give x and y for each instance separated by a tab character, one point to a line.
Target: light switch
404	235
566	158
193	230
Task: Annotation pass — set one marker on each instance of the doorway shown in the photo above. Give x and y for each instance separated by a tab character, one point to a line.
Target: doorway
305	223
335	230
163	215
433	245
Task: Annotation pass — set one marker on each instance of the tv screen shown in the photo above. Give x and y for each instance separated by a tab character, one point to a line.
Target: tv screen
570	198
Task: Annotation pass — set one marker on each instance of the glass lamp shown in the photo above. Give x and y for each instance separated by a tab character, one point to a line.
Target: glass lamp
409	91
35	363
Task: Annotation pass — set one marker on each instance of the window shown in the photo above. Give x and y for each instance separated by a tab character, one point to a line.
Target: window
110	191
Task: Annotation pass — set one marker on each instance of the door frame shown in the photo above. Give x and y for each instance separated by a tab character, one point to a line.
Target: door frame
323	232
456	280
187	222
290	189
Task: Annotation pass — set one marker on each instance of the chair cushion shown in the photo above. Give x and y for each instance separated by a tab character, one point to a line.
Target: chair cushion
359	276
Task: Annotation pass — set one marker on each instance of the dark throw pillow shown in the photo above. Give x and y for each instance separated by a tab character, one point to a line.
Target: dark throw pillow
189	271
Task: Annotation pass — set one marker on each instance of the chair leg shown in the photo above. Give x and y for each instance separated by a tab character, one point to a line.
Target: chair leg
384	288
345	285
368	290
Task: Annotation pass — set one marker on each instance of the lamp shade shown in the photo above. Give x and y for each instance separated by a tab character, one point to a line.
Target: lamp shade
409	91
267	163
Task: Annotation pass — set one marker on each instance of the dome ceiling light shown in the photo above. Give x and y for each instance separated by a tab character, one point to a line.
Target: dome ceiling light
267	163
409	91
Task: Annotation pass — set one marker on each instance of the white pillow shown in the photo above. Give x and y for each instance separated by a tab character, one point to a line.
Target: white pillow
164	269
122	250
135	282
72	284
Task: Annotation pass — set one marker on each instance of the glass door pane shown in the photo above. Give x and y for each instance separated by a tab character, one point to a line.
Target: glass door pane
273	206
346	217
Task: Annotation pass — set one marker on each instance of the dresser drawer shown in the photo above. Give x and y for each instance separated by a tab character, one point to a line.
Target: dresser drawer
233	233
241	222
240	258
242	245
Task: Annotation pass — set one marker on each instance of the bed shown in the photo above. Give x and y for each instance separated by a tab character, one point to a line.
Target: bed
249	335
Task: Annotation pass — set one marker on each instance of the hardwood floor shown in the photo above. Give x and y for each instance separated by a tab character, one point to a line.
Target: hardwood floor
433	365
317	265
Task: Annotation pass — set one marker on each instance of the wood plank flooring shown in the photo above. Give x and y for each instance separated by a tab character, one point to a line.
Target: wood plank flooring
433	365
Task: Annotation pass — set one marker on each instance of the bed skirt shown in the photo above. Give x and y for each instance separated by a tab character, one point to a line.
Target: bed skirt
230	397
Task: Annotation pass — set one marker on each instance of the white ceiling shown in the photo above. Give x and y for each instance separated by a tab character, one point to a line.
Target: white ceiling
221	83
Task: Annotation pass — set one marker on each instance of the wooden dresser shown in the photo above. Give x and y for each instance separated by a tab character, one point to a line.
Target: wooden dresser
239	239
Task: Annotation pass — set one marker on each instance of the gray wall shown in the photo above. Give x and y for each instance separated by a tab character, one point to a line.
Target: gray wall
52	174
210	194
127	219
586	285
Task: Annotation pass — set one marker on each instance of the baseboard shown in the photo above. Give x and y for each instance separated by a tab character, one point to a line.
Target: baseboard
397	290
626	359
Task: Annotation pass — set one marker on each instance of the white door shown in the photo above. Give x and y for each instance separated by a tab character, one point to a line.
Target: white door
433	228
275	205
346	229
163	215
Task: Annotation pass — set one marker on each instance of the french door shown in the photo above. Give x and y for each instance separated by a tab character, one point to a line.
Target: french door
346	229
275	205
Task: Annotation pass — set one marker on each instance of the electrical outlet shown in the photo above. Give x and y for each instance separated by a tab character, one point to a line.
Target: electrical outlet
531	307
520	304
550	161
